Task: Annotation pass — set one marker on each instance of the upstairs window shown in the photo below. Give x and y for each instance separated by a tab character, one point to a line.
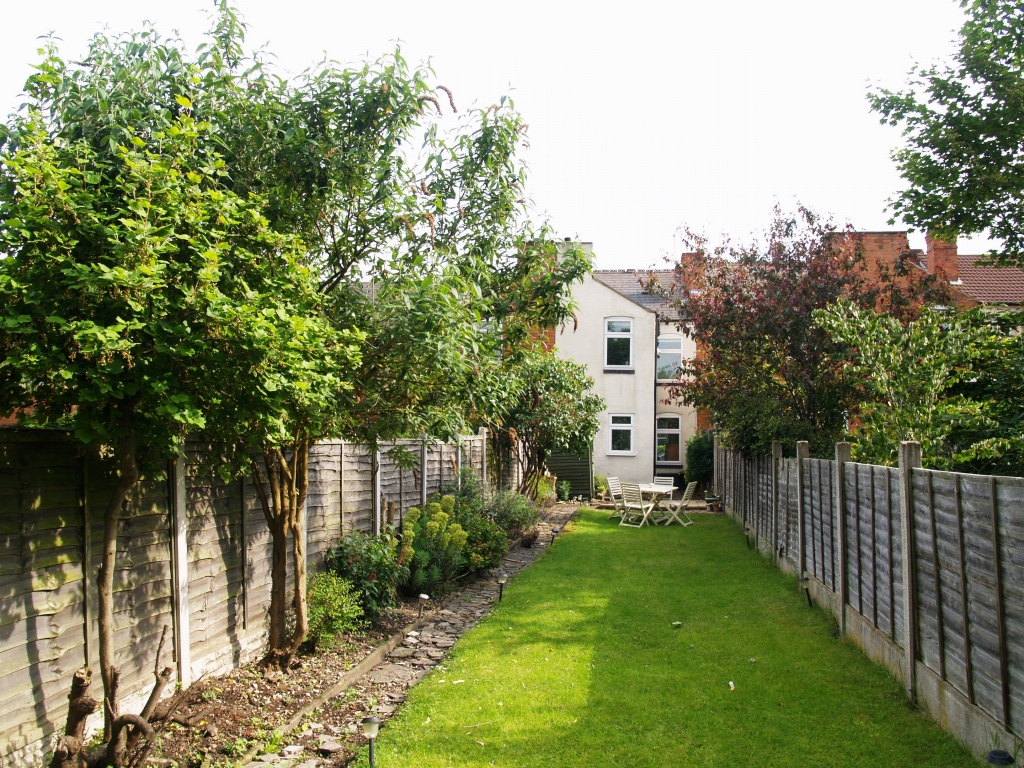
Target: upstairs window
621	440
618	342
670	357
667	450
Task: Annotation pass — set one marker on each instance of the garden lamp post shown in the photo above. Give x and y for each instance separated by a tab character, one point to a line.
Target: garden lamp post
423	602
999	757
554	532
370	727
502	578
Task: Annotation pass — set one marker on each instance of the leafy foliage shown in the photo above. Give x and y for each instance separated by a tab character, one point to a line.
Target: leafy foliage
563	489
600	483
486	544
373	566
949	381
556	410
766	370
432	544
700	458
964	133
513	512
334	609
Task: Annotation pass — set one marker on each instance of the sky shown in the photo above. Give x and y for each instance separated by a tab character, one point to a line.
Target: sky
644	116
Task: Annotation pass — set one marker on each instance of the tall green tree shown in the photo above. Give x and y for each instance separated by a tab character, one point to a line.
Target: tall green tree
128	275
963	124
556	410
765	370
421	245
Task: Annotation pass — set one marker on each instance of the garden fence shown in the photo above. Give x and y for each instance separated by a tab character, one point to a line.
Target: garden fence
194	554
843	525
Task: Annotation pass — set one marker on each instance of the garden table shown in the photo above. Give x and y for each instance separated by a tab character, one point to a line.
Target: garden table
657	493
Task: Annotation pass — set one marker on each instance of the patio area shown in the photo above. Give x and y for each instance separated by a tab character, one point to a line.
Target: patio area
652	647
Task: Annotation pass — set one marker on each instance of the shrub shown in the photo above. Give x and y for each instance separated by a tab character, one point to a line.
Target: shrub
564	489
700	458
486	543
373	566
600	484
334	608
545	488
513	513
433	544
468	493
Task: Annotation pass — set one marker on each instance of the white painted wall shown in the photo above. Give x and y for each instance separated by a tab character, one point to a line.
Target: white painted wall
631	393
688	415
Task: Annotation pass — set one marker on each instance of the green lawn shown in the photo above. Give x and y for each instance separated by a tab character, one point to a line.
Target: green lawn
581	666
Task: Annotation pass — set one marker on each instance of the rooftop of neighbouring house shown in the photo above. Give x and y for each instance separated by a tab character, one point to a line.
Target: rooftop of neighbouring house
654	289
991	285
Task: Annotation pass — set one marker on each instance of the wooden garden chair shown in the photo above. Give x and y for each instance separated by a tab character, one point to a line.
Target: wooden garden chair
637	512
676	508
615	491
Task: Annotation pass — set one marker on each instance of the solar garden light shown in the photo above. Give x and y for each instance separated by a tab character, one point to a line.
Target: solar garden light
554	532
999	757
370	727
423	602
747	531
805	585
502	578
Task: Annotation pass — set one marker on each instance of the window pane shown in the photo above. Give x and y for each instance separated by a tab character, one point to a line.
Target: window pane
668	422
668	364
622	419
620	326
622	440
668	447
670	343
618	352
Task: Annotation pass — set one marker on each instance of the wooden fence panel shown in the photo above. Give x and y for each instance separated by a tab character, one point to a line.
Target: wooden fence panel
357	494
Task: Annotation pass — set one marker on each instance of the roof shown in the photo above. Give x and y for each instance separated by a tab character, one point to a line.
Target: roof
990	285
631	283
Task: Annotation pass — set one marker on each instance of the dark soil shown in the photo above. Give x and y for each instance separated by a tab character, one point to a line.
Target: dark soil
246	705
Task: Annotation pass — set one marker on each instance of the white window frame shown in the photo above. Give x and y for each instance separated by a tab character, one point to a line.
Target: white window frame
678	431
618	335
658	351
613	427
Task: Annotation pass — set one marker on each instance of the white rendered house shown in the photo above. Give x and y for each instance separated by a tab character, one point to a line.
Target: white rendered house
627	338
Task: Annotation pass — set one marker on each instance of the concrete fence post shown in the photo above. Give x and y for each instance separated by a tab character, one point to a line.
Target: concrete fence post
483	432
910	457
776	466
179	554
458	461
803	451
839	484
375	505
424	466
718	471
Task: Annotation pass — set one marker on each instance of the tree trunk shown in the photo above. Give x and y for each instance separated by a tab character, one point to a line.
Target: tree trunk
67	752
128	476
284	509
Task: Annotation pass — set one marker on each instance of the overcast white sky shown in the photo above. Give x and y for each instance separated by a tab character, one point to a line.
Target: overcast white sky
643	115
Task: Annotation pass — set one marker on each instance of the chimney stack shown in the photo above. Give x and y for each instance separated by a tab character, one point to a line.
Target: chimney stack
942	258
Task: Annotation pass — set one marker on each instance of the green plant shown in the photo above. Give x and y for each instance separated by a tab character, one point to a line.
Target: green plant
513	512
564	490
600	483
468	492
373	566
433	544
334	608
237	747
486	543
700	458
274	742
556	410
